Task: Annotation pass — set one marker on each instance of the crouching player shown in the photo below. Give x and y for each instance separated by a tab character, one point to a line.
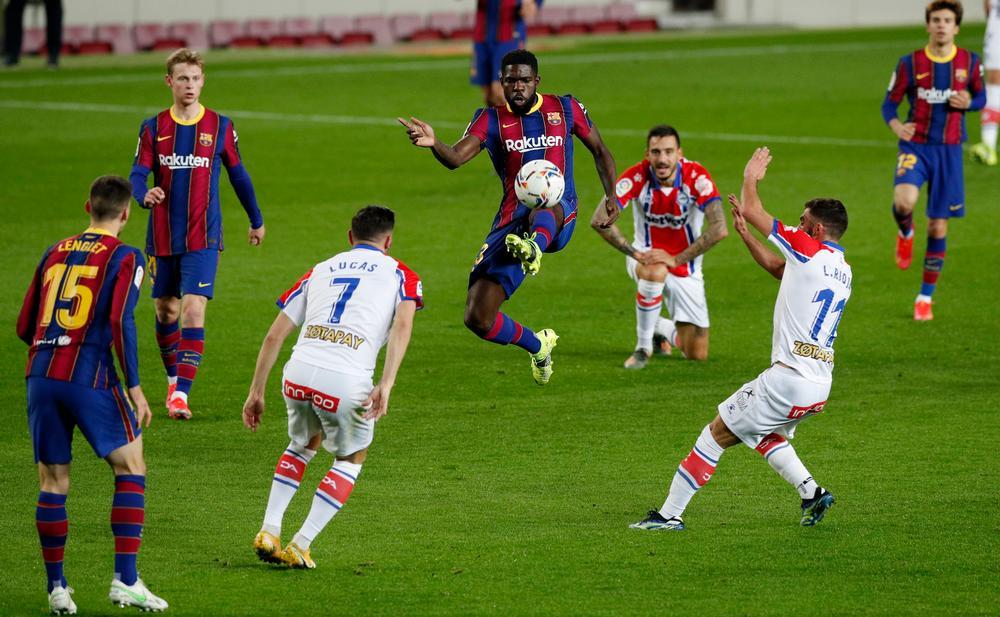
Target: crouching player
80	304
763	414
347	307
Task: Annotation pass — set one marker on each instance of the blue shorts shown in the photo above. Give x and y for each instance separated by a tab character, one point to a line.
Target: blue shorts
105	418
187	273
486	59
940	166
495	263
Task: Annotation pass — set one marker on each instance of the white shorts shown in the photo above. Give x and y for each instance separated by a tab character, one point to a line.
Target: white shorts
327	401
775	402
991	44
684	296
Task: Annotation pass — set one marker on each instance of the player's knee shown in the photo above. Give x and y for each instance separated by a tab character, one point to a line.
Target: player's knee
132	466
168	310
937	228
357	458
478	324
697	353
193	315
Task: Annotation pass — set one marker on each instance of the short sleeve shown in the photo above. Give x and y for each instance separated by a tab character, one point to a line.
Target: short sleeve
293	302
704	187
410	286
795	244
629	185
480	126
581	119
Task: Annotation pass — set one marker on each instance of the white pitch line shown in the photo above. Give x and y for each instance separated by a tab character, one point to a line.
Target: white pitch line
455	63
385	121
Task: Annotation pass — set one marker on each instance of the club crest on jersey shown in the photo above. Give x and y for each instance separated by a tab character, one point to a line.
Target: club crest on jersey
554	118
961	75
205	139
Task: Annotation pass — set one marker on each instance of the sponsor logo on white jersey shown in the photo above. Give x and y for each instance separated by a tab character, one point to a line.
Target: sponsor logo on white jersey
527	144
934	96
187	161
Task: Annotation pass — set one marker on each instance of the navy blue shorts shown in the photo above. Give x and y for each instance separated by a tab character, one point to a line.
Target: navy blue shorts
486	59
940	166
187	273
495	262
55	407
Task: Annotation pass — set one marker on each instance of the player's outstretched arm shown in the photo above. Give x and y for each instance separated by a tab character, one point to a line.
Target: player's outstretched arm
610	232
281	327
606	172
751	207
377	403
422	135
774	264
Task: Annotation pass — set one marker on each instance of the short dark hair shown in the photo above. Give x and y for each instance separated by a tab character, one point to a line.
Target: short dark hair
941	5
109	196
372	222
831	212
663	130
520	56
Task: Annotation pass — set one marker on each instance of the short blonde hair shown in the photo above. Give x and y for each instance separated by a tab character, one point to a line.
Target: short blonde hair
184	56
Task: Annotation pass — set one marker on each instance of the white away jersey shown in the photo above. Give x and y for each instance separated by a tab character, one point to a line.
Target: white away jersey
345	306
811	300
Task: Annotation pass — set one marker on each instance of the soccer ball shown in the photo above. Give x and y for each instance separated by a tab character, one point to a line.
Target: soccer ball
539	184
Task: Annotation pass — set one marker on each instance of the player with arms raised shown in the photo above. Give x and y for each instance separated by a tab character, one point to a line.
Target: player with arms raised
346	307
941	82
529	127
672	197
78	309
186	147
763	414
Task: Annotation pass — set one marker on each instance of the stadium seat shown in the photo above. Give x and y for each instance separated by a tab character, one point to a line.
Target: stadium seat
446	23
306	31
117	36
146	35
549	20
193	33
256	33
405	25
468	28
593	17
377	26
33	41
626	15
222	33
343	32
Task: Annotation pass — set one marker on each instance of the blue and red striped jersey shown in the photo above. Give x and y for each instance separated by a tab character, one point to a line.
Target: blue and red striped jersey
545	132
186	158
928	81
499	21
79	306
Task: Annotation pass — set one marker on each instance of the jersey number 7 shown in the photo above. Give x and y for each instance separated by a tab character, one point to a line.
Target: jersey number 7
347	286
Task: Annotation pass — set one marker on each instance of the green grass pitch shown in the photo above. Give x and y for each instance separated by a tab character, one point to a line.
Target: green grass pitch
483	493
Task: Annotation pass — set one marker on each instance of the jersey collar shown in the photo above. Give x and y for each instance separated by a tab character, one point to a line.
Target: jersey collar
195	120
942	59
534	108
656	181
367	247
98	230
833	245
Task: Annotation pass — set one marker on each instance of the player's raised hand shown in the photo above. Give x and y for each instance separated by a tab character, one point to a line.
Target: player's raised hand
256	236
960	100
420	133
739	223
757	165
143	415
153	197
253	408
377	403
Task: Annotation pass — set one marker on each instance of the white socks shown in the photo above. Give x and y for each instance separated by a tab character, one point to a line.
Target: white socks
668	329
781	456
330	497
287	476
647	311
991	115
694	472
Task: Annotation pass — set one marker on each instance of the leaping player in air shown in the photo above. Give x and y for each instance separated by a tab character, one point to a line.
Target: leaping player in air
763	414
528	127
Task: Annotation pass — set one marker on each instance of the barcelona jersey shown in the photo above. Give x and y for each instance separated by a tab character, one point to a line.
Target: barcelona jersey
545	132
186	158
499	21
79	307
927	82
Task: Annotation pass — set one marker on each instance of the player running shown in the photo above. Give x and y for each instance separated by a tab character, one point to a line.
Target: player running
79	306
186	147
530	126
672	196
499	29
347	307
763	414
986	150
941	82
